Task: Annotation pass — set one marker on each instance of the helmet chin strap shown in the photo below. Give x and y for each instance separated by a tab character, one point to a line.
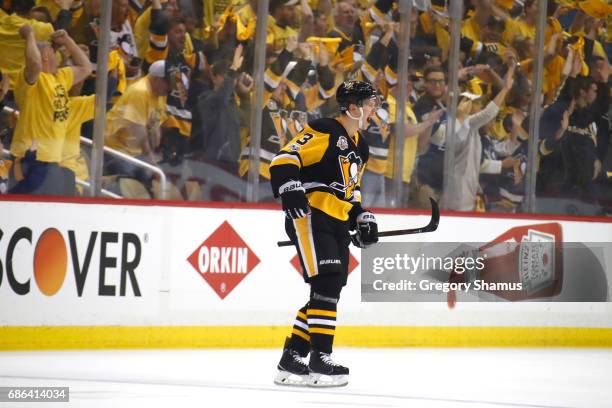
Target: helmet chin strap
360	118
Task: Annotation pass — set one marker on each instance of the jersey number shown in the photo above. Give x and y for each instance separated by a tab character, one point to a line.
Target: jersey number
305	139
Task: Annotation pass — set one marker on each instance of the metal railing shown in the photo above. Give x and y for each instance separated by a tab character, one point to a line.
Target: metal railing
80	182
122	156
104	192
139	163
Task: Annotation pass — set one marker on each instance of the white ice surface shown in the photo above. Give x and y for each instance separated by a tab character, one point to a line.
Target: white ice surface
428	378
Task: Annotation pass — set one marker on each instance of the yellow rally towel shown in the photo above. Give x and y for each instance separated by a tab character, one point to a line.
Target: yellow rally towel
331	44
344	59
596	8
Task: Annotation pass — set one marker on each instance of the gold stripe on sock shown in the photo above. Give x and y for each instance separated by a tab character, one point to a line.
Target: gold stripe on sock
319	330
321	312
301	334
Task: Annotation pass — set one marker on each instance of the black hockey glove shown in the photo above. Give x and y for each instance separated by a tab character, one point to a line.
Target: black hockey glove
366	230
295	203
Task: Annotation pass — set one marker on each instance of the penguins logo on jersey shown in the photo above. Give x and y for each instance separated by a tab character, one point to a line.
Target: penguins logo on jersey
179	83
350	168
280	127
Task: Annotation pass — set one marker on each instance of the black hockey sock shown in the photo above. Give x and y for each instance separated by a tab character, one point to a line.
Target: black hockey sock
321	322
321	311
300	335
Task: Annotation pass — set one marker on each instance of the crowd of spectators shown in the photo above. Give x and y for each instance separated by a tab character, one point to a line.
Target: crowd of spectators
180	89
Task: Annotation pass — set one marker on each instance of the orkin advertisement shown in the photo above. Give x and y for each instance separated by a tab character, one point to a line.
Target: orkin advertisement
225	262
223	259
60	263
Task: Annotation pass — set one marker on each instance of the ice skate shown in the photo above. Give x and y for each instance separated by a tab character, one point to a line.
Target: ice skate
291	369
324	372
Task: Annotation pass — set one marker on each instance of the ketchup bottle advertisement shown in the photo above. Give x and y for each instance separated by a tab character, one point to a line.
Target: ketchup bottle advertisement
530	255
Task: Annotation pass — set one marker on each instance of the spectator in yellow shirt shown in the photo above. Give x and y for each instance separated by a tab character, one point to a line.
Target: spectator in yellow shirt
132	125
41	93
282	17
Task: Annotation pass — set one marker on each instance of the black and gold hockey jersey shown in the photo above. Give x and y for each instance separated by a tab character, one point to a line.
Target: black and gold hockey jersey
180	67
328	162
377	136
293	72
274	135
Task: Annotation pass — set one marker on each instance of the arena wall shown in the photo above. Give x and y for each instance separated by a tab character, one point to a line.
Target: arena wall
116	274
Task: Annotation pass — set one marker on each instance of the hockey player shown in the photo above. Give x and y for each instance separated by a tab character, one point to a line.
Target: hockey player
317	176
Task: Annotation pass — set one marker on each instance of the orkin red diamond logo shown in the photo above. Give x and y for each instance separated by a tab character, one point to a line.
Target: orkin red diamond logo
353	263
223	260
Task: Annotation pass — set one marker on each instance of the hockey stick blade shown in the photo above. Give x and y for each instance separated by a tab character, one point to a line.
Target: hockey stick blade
432	226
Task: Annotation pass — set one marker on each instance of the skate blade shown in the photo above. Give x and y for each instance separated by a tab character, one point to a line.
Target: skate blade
287	378
322	380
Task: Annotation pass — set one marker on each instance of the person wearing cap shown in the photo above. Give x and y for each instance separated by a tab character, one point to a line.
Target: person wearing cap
280	21
41	92
132	125
463	188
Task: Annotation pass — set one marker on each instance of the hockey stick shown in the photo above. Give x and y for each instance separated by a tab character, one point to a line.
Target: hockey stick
432	226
